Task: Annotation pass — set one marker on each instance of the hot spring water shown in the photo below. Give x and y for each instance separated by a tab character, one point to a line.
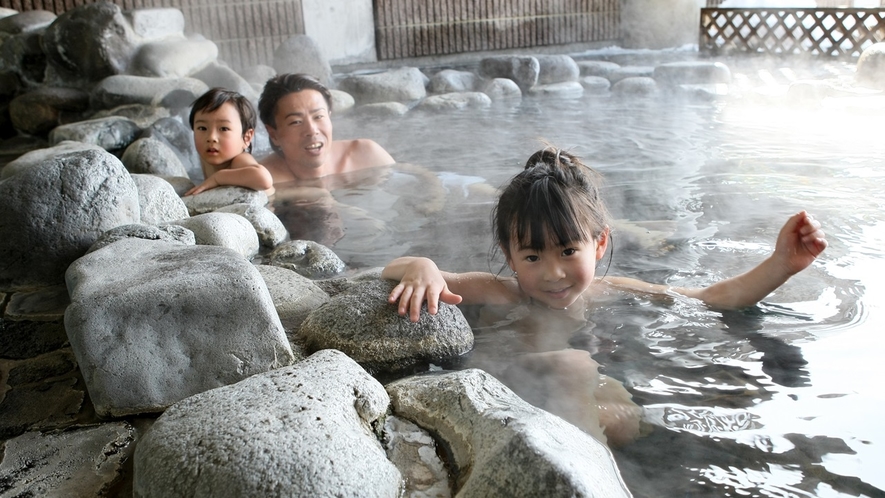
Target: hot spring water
780	400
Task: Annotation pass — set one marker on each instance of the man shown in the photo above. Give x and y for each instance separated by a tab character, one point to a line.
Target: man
296	109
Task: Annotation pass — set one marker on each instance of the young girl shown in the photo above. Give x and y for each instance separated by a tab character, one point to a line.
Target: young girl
552	227
224	124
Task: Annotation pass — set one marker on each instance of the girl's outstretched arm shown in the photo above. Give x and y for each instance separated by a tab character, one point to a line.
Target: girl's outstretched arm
420	280
799	243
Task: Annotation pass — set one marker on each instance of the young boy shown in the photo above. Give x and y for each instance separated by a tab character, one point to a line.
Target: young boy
224	124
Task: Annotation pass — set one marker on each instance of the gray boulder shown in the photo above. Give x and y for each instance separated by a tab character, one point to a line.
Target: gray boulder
178	136
455	101
624	72
143	115
692	72
181	184
382	110
597	68
152	323
111	133
78	461
175	234
26	22
23	55
217	74
635	86
39	111
89	42
502	89
557	69
153	157
216	198
158	201
503	446
153	24
361	322
294	296
301	54
452	80
396	85
304	430
594	85
173	57
123	89
871	66
523	70
225	230
565	90
307	258
52	212
342	101
271	231
258	75
38	156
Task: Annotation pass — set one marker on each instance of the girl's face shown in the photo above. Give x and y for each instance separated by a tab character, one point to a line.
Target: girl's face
557	275
219	136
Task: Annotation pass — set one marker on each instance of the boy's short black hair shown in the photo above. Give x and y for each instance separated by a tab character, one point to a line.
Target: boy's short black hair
217	97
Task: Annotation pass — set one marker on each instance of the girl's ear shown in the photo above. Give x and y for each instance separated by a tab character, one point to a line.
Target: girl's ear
248	136
602	243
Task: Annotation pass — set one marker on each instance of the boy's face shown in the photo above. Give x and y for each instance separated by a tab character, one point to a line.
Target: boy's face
302	130
218	135
556	276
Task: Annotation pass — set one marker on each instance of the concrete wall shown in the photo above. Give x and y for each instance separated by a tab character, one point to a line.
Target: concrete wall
657	24
344	29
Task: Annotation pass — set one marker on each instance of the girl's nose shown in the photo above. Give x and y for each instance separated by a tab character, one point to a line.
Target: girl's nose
553	272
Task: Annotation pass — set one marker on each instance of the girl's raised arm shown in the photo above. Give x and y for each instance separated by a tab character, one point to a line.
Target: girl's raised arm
799	243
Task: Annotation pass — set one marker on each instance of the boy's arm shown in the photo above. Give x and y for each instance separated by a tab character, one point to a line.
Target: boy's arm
244	171
420	280
799	243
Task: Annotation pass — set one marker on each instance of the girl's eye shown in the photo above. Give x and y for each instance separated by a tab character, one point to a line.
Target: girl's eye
201	128
531	258
570	251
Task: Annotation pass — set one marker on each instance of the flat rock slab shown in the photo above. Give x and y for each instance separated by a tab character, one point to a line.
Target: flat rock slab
80	461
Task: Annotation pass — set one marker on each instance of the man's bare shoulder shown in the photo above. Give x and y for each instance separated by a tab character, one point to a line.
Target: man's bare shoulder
363	153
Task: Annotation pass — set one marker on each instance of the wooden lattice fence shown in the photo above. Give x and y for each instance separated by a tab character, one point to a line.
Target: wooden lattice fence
245	31
842	32
414	28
